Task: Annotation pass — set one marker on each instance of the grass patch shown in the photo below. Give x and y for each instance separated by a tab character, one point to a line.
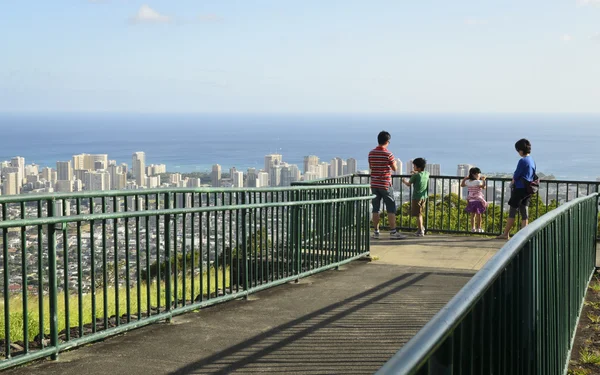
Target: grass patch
578	371
593	318
17	317
595	285
593	305
588	356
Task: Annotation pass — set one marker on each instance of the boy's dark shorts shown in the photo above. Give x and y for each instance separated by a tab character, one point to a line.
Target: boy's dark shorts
417	207
388	199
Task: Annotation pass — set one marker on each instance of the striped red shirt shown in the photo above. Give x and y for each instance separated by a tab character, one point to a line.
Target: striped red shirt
380	163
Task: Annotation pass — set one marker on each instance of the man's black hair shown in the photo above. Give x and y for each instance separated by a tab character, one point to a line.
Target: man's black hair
420	163
523	145
383	137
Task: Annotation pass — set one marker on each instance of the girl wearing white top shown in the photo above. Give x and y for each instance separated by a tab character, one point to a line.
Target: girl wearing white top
476	203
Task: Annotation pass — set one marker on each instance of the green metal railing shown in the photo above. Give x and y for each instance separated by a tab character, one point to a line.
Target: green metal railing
79	267
445	209
519	313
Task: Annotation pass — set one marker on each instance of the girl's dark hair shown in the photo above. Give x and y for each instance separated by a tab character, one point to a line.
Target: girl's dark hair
523	145
472	172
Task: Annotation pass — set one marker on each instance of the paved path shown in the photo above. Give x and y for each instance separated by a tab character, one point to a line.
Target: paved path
338	322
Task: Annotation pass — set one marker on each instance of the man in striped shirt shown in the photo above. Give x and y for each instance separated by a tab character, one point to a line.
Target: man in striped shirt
382	163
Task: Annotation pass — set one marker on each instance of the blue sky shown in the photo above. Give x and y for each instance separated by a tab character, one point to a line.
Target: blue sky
300	56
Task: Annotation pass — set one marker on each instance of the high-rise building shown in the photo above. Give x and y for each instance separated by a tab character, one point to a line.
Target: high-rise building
251	177
323	169
333	168
310	160
152	182
289	173
275	175
262	180
272	160
47	173
462	170
32	169
118	179
79	174
77	185
79	161
352	166
434	169
154	169
138	167
409	166
19	162
64	171
88	161
215	176
64	186
237	179
339	165
97	180
397	181
193	182
309	176
10	186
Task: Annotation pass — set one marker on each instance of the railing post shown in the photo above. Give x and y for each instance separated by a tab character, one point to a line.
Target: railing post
52	279
244	243
296	233
168	268
338	233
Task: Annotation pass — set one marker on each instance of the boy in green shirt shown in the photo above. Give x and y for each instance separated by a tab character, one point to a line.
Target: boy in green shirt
420	181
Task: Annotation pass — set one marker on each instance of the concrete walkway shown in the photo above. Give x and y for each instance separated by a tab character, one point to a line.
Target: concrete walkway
338	322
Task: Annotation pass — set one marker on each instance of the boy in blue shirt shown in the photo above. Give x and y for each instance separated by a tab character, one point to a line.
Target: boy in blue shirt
519	197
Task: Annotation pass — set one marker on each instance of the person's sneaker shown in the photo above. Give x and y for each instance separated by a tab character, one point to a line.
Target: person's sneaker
480	230
397	235
474	230
375	235
419	233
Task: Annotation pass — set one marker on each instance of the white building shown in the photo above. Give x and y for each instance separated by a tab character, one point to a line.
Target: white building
238	179
215	175
97	180
262	179
138	167
310	160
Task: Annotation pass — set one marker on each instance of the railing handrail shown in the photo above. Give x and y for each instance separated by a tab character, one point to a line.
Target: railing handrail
433	334
162	212
491	178
125	193
318	180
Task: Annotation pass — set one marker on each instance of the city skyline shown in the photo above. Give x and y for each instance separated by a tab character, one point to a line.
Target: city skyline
93	172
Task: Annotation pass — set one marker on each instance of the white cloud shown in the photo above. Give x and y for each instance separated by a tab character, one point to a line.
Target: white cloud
595	37
566	38
475	21
148	15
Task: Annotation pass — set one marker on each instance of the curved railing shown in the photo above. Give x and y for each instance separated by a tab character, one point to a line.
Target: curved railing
519	313
78	267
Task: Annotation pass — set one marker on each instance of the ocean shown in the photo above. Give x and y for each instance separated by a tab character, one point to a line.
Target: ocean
565	145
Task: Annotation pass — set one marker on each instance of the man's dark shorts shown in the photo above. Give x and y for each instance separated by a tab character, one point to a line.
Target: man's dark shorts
388	199
519	197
